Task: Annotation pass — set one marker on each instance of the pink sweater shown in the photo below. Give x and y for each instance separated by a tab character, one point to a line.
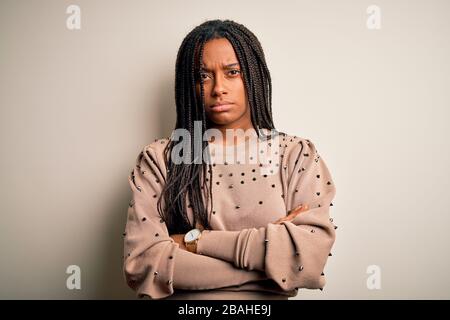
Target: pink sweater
246	255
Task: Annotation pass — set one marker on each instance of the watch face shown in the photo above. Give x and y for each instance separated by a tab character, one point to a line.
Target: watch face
192	235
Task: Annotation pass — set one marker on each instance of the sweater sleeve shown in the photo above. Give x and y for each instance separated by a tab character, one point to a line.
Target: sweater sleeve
154	264
293	253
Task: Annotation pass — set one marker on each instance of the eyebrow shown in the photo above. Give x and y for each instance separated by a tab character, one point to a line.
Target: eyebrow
228	66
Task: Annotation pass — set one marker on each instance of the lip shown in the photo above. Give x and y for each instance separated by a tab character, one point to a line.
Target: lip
221	107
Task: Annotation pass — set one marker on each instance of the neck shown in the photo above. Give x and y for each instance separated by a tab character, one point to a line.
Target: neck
236	133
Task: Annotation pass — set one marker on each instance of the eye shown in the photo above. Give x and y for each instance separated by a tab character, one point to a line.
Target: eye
235	70
203	74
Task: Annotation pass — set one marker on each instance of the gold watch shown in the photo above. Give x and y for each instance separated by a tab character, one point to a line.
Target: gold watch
191	238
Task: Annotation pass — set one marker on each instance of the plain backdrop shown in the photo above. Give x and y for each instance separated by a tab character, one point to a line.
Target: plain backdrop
77	106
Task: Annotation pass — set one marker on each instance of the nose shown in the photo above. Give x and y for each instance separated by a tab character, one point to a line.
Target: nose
219	87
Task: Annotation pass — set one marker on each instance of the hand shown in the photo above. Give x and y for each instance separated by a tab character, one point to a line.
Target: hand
179	238
199	226
292	214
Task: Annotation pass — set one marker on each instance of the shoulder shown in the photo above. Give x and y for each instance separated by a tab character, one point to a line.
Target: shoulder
157	146
153	152
294	146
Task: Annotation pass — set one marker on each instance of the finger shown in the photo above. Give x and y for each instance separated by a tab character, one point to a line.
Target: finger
301	208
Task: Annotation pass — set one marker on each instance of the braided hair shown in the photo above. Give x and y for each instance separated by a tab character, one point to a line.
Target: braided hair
187	182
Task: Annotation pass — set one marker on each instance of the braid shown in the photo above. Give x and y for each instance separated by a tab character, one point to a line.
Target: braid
187	181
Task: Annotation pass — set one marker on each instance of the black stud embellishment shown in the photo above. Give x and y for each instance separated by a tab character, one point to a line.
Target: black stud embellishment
328	182
322	274
260	202
170	257
156	234
230	174
284	279
144	218
237	207
318	193
254	179
300	268
154	196
242	181
273	186
330	254
318	176
335	227
155	273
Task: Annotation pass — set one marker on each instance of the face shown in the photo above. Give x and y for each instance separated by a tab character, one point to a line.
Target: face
223	84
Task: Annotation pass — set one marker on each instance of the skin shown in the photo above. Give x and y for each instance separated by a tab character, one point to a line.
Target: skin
223	81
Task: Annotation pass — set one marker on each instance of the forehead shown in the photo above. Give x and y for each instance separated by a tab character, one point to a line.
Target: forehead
218	51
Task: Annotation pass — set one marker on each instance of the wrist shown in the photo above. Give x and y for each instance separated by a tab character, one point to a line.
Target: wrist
191	239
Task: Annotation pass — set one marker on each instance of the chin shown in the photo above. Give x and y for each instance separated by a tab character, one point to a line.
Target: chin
222	119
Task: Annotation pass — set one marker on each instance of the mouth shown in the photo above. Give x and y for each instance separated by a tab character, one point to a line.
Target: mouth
222	107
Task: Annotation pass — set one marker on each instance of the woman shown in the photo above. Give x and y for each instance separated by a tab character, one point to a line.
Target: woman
254	228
